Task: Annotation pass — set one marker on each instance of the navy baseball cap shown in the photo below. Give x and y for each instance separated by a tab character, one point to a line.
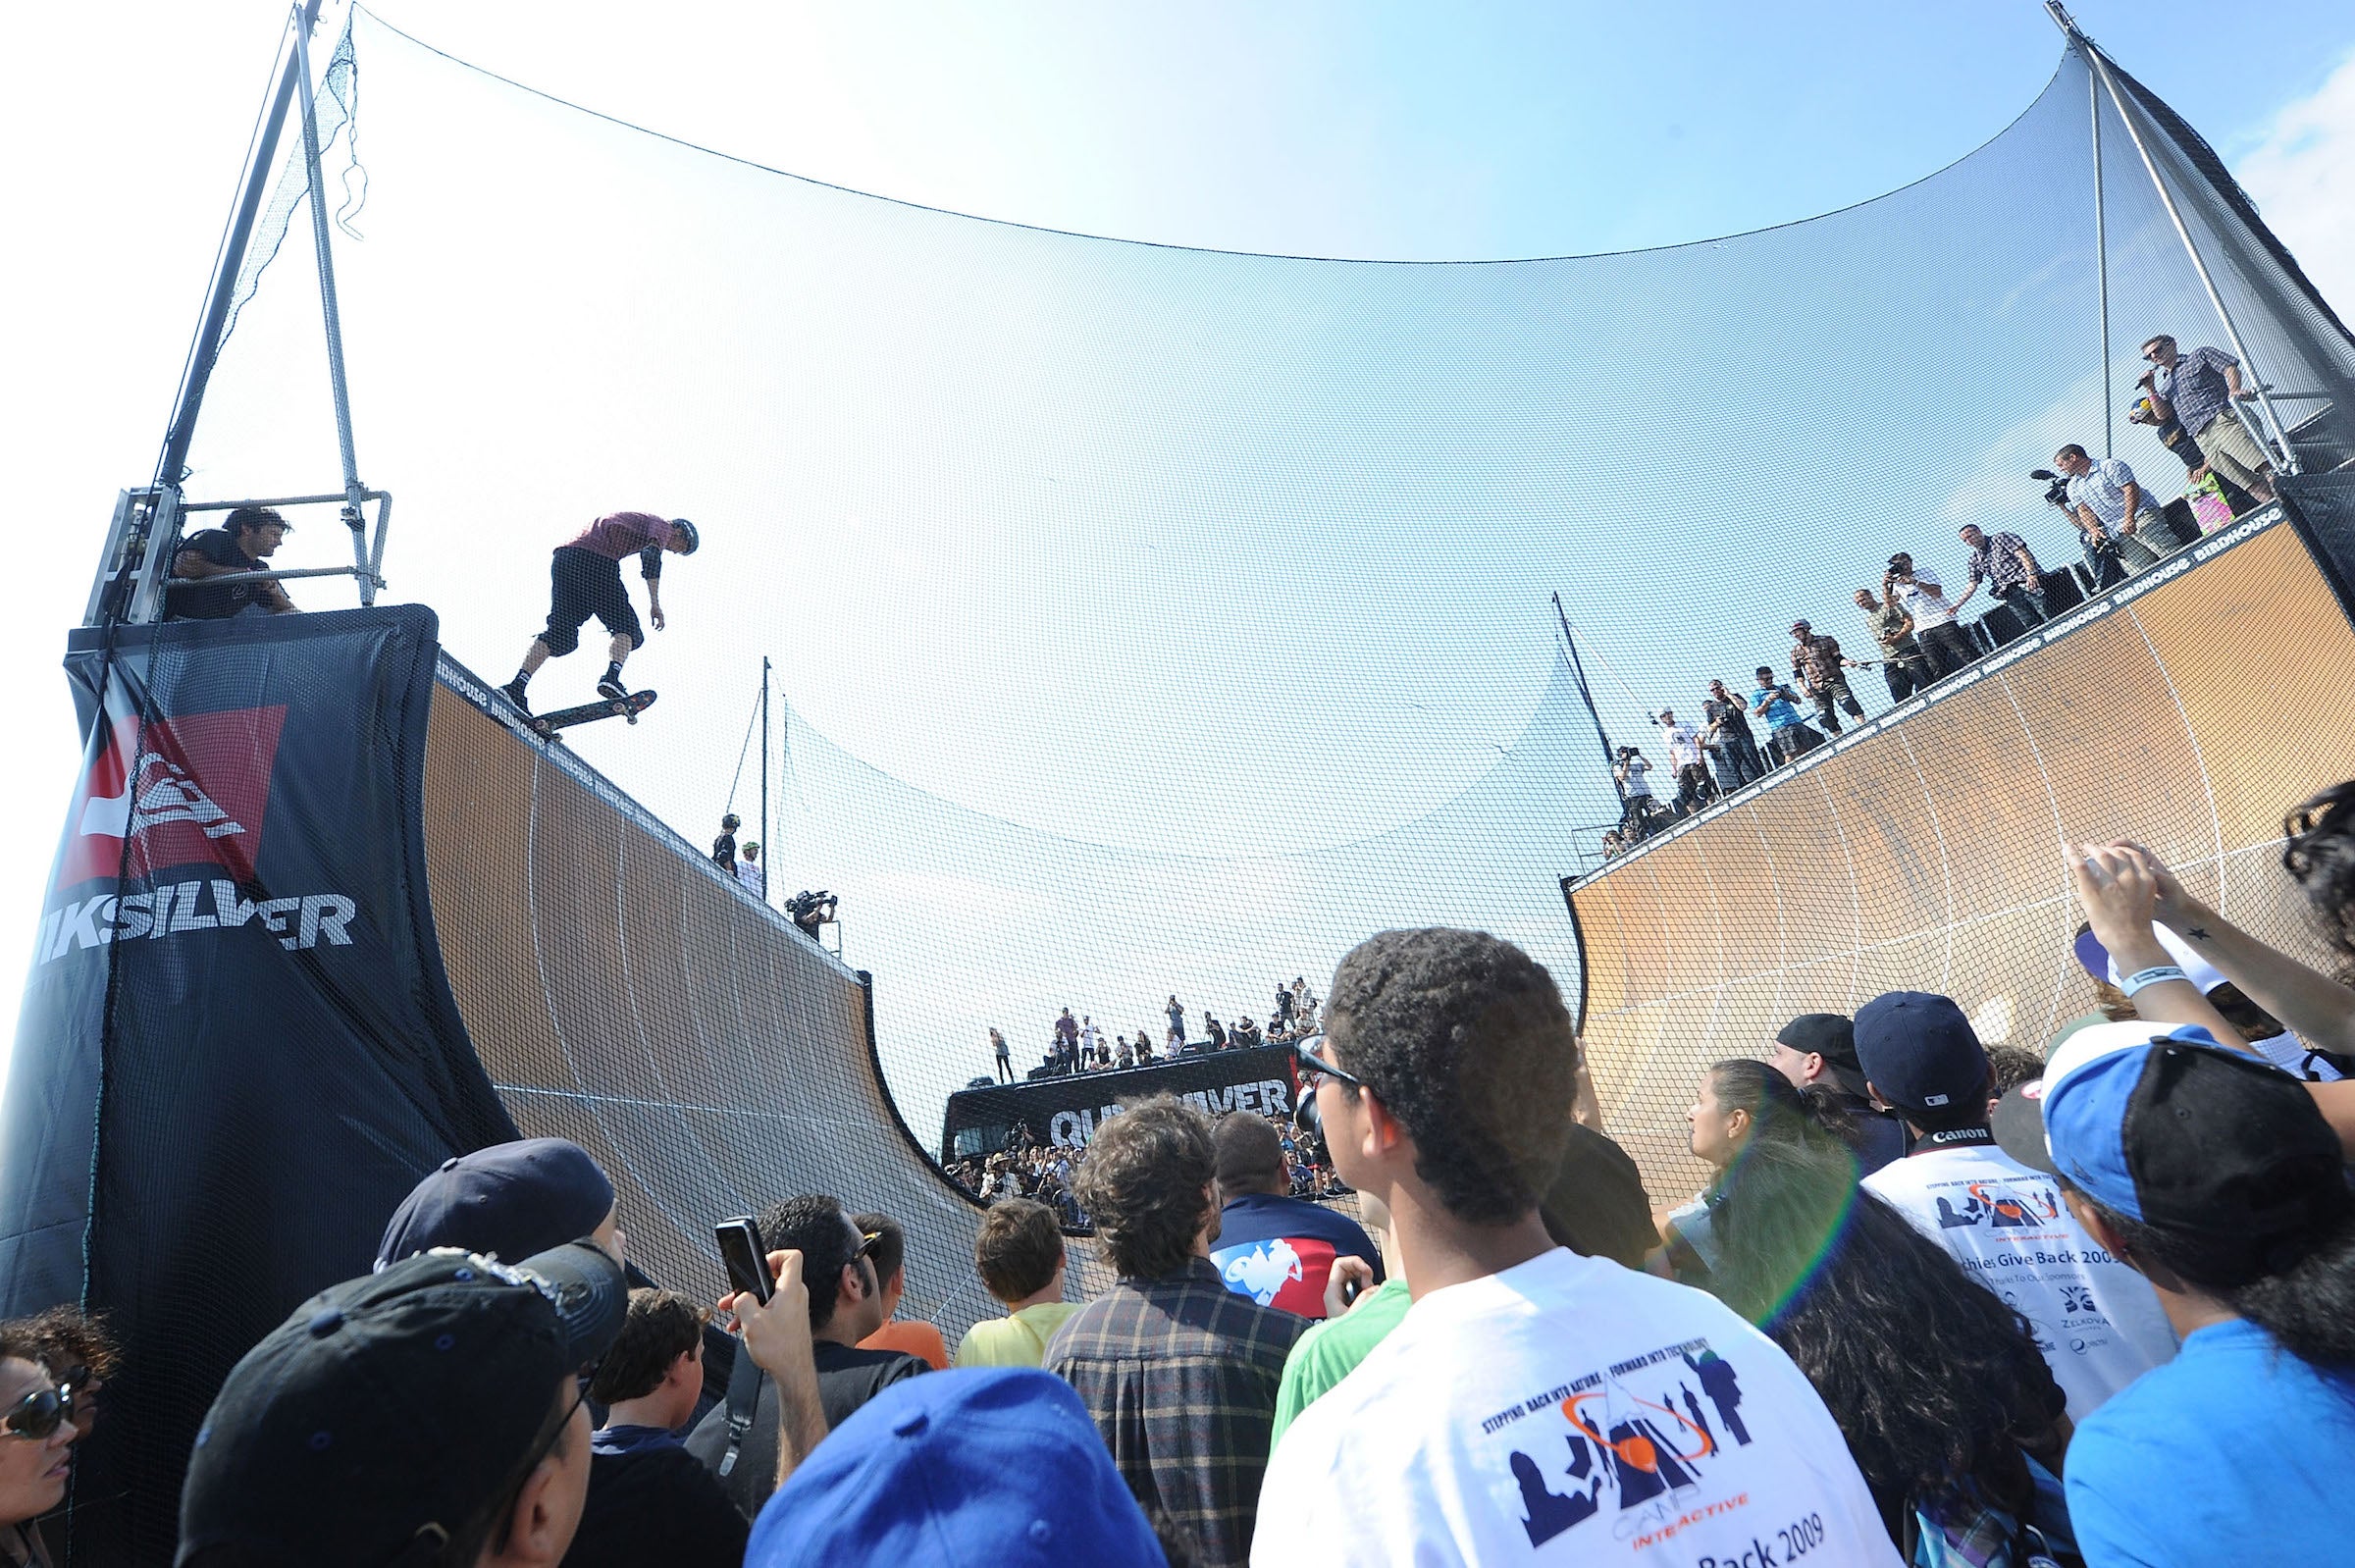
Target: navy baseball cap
946	1470
389	1418
1921	1054
510	1200
2174	1129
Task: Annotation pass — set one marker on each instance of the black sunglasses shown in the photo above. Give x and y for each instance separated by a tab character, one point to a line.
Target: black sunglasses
866	1244
39	1414
1314	1068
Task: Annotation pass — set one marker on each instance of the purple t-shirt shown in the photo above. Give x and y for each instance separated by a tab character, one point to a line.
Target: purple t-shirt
619	535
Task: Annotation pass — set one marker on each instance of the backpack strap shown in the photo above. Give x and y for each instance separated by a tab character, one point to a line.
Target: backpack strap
744	1394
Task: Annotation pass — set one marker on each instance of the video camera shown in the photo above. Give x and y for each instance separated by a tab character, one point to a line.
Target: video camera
2056	491
809	910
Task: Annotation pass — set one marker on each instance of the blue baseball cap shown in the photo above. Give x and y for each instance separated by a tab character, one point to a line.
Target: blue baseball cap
2171	1129
1922	1055
508	1201
981	1468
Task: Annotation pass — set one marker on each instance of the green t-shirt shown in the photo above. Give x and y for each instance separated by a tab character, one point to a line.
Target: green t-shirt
1332	1350
1019	1340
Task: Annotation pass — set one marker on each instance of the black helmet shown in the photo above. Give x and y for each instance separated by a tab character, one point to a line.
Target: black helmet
731	821
693	538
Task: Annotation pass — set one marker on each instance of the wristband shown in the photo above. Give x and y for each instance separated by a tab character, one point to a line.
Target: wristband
2153	977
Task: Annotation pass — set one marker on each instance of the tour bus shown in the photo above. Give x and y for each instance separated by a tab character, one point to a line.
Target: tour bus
1070	1107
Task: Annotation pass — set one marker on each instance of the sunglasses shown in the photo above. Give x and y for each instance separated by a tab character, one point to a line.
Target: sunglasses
38	1414
866	1244
1314	1069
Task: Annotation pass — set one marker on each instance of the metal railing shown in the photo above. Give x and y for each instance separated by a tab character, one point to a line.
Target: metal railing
134	580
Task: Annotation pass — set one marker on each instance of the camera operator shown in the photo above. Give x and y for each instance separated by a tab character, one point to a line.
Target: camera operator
809	911
2107	504
1902	664
1630	774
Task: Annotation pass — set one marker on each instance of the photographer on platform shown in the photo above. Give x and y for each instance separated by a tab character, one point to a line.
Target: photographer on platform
1632	776
809	911
1823	669
1693	787
2107	503
1918	591
1902	663
1727	740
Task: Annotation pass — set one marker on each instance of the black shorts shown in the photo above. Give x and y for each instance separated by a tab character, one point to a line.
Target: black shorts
581	583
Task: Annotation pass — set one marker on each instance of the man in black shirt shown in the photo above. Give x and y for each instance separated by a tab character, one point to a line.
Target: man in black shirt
243	543
648	1500
846	1305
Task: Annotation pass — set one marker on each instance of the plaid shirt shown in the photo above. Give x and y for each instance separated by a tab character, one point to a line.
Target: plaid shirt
1999	558
1181	1375
1819	656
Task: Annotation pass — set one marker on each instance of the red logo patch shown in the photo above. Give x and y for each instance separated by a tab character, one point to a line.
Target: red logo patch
191	790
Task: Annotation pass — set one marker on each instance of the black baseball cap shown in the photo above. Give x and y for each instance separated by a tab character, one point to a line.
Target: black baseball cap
510	1200
391	1415
1597	1205
1831	1036
1921	1054
2171	1129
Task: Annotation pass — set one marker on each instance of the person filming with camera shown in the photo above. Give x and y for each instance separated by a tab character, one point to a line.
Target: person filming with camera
1632	773
2108	507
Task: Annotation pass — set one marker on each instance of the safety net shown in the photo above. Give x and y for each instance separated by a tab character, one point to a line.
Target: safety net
1149	621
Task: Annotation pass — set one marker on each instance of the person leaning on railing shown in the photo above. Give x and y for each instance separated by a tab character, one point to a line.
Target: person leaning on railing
243	543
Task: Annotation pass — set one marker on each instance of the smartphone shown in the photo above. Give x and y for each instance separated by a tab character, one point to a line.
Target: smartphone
748	1264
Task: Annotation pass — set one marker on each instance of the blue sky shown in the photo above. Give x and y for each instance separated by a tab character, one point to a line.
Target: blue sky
1011	594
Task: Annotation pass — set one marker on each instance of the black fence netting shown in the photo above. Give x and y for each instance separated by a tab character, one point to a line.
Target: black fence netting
1149	625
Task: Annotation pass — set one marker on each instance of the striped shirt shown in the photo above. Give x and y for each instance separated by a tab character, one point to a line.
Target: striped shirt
1181	1375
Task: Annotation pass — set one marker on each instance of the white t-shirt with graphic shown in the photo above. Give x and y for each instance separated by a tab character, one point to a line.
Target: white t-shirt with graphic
1924	599
1569	1411
2097	1322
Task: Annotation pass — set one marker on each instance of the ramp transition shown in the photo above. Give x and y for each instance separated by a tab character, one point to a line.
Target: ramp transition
621	991
2188	713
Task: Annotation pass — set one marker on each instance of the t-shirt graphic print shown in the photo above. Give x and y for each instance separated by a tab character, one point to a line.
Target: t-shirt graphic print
1569	1411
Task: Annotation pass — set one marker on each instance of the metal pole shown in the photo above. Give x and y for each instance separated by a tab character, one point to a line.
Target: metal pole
764	844
2288	458
2101	263
353	489
207	349
1580	670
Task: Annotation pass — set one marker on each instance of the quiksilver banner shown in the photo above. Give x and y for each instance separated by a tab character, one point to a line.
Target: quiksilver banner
238	1049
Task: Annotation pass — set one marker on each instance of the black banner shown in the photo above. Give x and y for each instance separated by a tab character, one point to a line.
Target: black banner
238	1049
1069	1108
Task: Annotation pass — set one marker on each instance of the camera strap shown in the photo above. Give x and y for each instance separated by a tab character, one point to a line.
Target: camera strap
744	1396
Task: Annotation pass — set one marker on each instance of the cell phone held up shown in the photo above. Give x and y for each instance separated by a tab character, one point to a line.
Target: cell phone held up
748	1264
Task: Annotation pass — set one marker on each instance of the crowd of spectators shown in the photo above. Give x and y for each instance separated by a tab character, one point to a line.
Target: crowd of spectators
1936	1304
1043	1173
1079	1044
1917	629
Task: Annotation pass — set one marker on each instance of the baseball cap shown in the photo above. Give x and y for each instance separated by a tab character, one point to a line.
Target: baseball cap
1798	627
509	1201
2174	1129
943	1470
388	1416
1921	1052
1833	1037
1597	1206
2018	1123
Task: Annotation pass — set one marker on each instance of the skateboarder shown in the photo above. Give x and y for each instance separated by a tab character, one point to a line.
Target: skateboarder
585	580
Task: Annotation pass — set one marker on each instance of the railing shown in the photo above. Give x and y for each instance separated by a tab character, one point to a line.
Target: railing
134	580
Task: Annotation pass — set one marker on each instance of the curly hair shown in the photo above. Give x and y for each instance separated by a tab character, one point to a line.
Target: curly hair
1464	1039
661	1326
1142	1181
1936	1384
2319	852
69	1337
1018	1249
815	1227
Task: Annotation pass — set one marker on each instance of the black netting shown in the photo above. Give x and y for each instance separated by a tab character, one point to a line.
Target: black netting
1151	620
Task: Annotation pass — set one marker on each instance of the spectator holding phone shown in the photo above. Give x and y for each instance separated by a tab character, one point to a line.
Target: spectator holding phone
1788	736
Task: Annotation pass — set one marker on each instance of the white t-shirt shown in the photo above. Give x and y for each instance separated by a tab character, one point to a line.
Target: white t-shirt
1924	599
1684	744
1636	783
1568	1411
755	879
2097	1321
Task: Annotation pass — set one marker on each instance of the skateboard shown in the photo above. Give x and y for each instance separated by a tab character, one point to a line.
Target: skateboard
550	725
